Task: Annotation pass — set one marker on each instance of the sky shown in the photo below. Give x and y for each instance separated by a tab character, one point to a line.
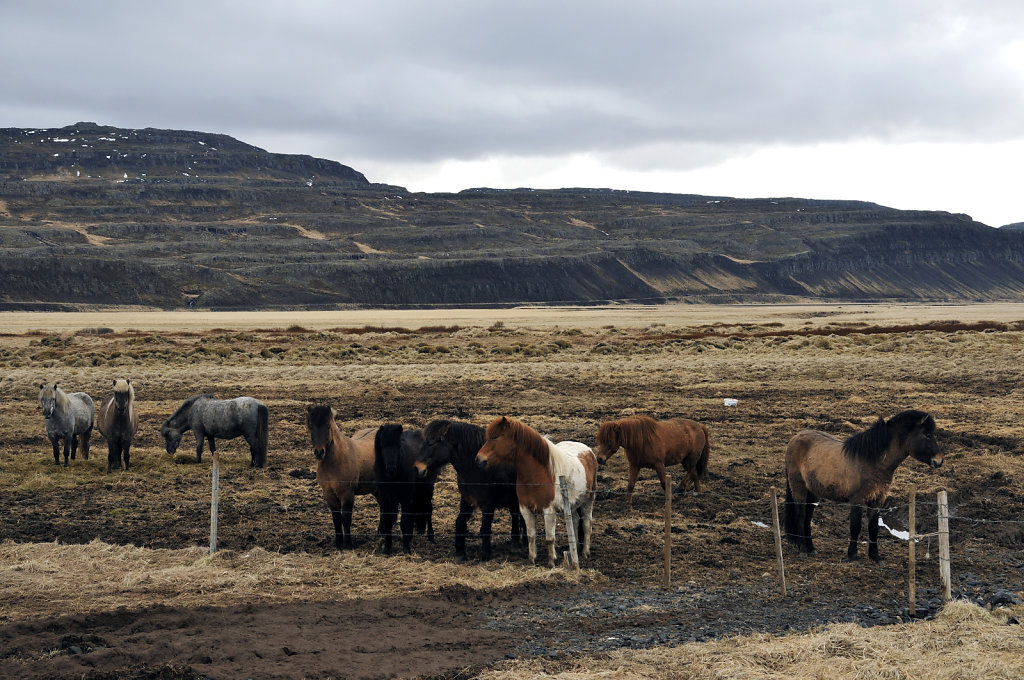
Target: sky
913	104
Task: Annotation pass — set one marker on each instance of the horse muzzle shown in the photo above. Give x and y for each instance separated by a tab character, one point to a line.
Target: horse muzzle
936	462
421	469
482	463
319	453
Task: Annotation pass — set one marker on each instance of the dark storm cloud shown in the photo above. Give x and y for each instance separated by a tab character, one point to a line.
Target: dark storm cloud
417	81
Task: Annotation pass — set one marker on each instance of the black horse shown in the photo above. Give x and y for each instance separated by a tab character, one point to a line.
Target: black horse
398	484
447	441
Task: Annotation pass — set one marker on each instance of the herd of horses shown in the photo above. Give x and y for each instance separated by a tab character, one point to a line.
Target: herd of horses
507	465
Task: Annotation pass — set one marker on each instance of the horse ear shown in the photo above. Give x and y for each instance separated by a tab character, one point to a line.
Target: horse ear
115	382
445	428
309	408
128	380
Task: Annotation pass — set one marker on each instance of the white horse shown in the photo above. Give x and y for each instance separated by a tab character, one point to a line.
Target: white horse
68	418
539	464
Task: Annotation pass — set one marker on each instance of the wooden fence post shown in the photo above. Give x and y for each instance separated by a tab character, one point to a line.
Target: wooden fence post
912	564
668	531
944	546
214	502
778	540
570	527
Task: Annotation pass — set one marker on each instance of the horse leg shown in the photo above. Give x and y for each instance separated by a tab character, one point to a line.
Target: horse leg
68	441
531	533
339	529
486	520
200	438
406	524
388	515
550	520
74	445
662	475
113	454
855	519
873	535
634	473
518	532
56	450
587	524
808	512
86	436
346	522
461	522
127	448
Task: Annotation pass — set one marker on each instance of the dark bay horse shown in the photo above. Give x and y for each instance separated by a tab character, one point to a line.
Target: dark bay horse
344	469
209	417
657	444
399	484
858	471
539	464
69	418
446	441
117	421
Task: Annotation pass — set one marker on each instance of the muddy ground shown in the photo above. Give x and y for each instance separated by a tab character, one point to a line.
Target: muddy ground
564	383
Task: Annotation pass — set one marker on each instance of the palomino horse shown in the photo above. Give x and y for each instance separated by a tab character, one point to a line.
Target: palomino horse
68	418
398	483
539	464
344	468
858	471
447	441
656	444
209	417
118	422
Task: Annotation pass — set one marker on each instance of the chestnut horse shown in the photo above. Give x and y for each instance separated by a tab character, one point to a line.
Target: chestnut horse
539	464
656	444
344	468
858	471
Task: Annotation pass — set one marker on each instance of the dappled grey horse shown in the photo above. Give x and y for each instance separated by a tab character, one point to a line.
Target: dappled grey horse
69	417
209	417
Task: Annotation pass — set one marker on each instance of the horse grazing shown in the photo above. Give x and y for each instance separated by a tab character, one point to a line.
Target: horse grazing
209	417
118	422
858	471
69	418
539	464
446	441
399	484
344	468
656	444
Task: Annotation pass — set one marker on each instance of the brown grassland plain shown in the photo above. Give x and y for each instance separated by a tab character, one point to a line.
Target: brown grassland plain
95	566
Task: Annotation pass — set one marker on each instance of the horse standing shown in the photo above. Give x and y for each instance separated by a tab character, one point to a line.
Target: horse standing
398	483
69	418
209	417
656	444
447	441
344	468
858	471
539	464
118	422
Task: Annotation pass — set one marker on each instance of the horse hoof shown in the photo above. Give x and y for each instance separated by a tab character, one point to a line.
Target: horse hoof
459	559
851	558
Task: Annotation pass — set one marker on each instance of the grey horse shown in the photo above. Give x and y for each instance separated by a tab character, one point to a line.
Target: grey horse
69	417
209	417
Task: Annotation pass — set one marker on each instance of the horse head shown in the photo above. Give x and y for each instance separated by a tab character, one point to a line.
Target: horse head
499	446
387	445
122	395
609	439
172	437
437	448
318	421
916	430
48	399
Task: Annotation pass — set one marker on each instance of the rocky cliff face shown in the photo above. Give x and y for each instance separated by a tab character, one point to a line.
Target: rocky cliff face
99	215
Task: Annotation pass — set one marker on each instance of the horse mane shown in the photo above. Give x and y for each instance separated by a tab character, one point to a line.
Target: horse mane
463	436
125	386
524	436
913	417
187	404
320	416
637	432
870	444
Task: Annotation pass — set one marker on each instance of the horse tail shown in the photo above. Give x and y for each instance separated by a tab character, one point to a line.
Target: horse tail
793	531
702	462
262	420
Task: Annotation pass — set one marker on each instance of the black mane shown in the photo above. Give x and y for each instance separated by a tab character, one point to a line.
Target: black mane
187	404
870	444
465	437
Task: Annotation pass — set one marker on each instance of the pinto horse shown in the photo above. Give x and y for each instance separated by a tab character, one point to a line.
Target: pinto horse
656	444
858	471
447	441
69	418
344	469
539	464
117	421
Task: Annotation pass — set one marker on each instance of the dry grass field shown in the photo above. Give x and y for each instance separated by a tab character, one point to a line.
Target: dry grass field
99	563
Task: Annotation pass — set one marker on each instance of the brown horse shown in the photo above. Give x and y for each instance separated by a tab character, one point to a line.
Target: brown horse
656	444
539	464
118	422
344	470
858	471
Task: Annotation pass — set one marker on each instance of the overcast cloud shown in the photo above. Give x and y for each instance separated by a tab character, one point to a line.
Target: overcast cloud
913	104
